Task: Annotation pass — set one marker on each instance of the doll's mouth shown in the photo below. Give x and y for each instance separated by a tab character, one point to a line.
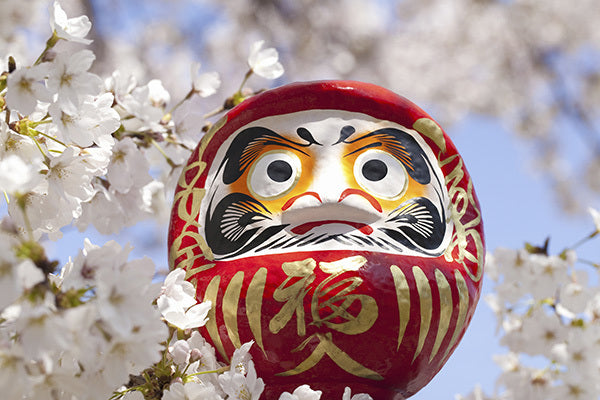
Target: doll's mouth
303	228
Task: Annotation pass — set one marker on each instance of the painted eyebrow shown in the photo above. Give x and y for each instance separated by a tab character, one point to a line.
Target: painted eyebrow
382	138
246	146
401	145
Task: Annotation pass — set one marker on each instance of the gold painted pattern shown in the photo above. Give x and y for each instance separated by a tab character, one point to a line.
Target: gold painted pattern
191	272
345	264
426	306
432	130
211	293
231	300
354	325
463	306
446	307
461	199
403	297
329	304
254	298
337	355
293	295
190	194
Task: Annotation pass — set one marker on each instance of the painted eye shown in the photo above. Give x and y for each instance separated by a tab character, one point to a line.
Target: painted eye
380	174
274	174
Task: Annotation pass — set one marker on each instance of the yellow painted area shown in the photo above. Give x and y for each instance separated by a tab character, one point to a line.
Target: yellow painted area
303	183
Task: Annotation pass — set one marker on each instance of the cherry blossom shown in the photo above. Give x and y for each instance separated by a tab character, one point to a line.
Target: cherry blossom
359	396
303	392
128	169
205	84
596	217
16	176
15	276
242	385
264	62
69	178
92	121
26	87
190	391
71	29
177	303
69	78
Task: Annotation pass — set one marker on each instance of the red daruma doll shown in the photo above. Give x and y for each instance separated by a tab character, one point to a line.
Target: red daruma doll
334	224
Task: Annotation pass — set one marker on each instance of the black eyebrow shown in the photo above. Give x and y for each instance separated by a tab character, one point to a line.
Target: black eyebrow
345	133
402	146
246	146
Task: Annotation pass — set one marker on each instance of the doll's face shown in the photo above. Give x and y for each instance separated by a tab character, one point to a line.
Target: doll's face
325	180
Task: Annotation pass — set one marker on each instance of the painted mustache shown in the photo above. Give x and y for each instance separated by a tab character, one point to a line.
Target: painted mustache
240	224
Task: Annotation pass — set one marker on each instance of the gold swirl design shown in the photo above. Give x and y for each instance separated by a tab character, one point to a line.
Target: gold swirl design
189	194
429	128
462	201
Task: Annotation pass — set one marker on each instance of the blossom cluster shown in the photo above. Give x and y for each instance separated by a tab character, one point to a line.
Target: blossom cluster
79	150
548	310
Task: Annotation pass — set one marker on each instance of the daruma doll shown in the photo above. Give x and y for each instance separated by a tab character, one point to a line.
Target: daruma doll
334	224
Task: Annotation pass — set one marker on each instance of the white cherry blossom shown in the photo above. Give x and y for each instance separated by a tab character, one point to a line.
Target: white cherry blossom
242	385
190	391
264	62
303	392
158	95
16	176
115	298
92	121
596	217
71	29
69	78
15	275
69	178
128	168
202	354
20	145
205	84
177	303
359	396
26	87
140	104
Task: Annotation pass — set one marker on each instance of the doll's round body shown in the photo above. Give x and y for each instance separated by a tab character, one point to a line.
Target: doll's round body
334	224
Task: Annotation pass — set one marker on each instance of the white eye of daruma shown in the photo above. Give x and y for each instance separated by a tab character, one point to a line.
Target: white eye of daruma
380	174
274	174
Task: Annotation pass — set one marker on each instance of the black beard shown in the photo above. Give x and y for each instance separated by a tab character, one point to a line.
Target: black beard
240	224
